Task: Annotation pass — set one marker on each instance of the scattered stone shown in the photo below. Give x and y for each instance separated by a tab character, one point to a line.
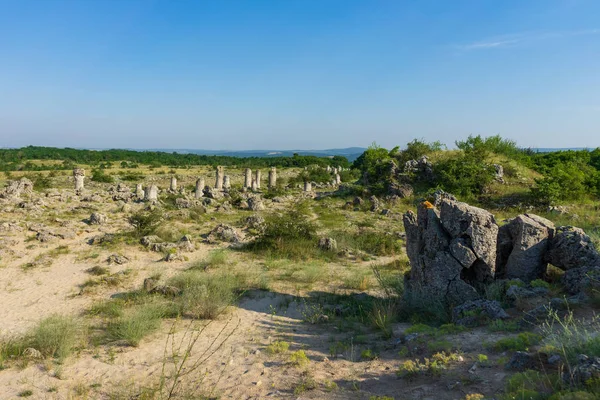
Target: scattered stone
14	189
584	280
375	203
148	240
98	219
117	259
586	370
328	244
211	193
173	256
520	361
224	233
181	202
401	190
186	243
470	313
255	204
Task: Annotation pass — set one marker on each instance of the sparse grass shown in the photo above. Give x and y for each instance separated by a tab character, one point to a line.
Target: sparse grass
382	315
97	270
25	393
56	336
136	323
571	336
428	366
306	383
216	258
521	342
205	296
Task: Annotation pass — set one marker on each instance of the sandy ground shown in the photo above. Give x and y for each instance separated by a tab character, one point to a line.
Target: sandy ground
237	368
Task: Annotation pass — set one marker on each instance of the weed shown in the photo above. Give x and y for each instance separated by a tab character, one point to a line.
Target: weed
305	384
133	326
368	354
25	393
299	359
278	347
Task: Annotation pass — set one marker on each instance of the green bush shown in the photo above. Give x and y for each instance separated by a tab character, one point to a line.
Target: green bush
519	343
145	222
98	175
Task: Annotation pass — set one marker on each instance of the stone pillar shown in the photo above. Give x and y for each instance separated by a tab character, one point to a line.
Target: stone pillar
219	182
338	179
257	178
226	182
139	191
328	169
199	188
173	186
273	178
308	186
151	193
79	175
254	185
248	178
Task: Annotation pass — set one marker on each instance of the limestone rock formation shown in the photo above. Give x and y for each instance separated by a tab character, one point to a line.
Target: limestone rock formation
522	246
14	189
572	248
255	204
220	172
151	193
272	178
247	178
199	188
79	176
224	233
451	251
98	219
328	244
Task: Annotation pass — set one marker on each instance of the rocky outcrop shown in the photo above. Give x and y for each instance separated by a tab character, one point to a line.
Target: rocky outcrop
572	248
522	246
224	233
255	203
14	189
451	251
98	219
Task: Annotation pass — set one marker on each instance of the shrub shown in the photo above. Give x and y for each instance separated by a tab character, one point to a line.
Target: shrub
289	235
466	174
278	347
145	222
299	358
571	336
98	175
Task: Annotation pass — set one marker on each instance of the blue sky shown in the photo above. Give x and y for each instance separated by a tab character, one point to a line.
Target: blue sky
305	74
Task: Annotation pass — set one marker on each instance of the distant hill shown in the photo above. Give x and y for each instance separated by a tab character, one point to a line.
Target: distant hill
351	153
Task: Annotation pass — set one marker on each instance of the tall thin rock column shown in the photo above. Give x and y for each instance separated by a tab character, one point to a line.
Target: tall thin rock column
248	178
273	178
257	178
219	182
254	185
226	182
139	191
173	186
308	186
79	175
338	179
199	188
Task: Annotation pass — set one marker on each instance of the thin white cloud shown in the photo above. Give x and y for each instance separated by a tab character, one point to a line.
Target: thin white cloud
523	38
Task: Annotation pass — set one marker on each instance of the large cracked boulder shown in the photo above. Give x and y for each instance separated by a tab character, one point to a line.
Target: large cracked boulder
572	248
584	280
522	246
224	233
451	251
